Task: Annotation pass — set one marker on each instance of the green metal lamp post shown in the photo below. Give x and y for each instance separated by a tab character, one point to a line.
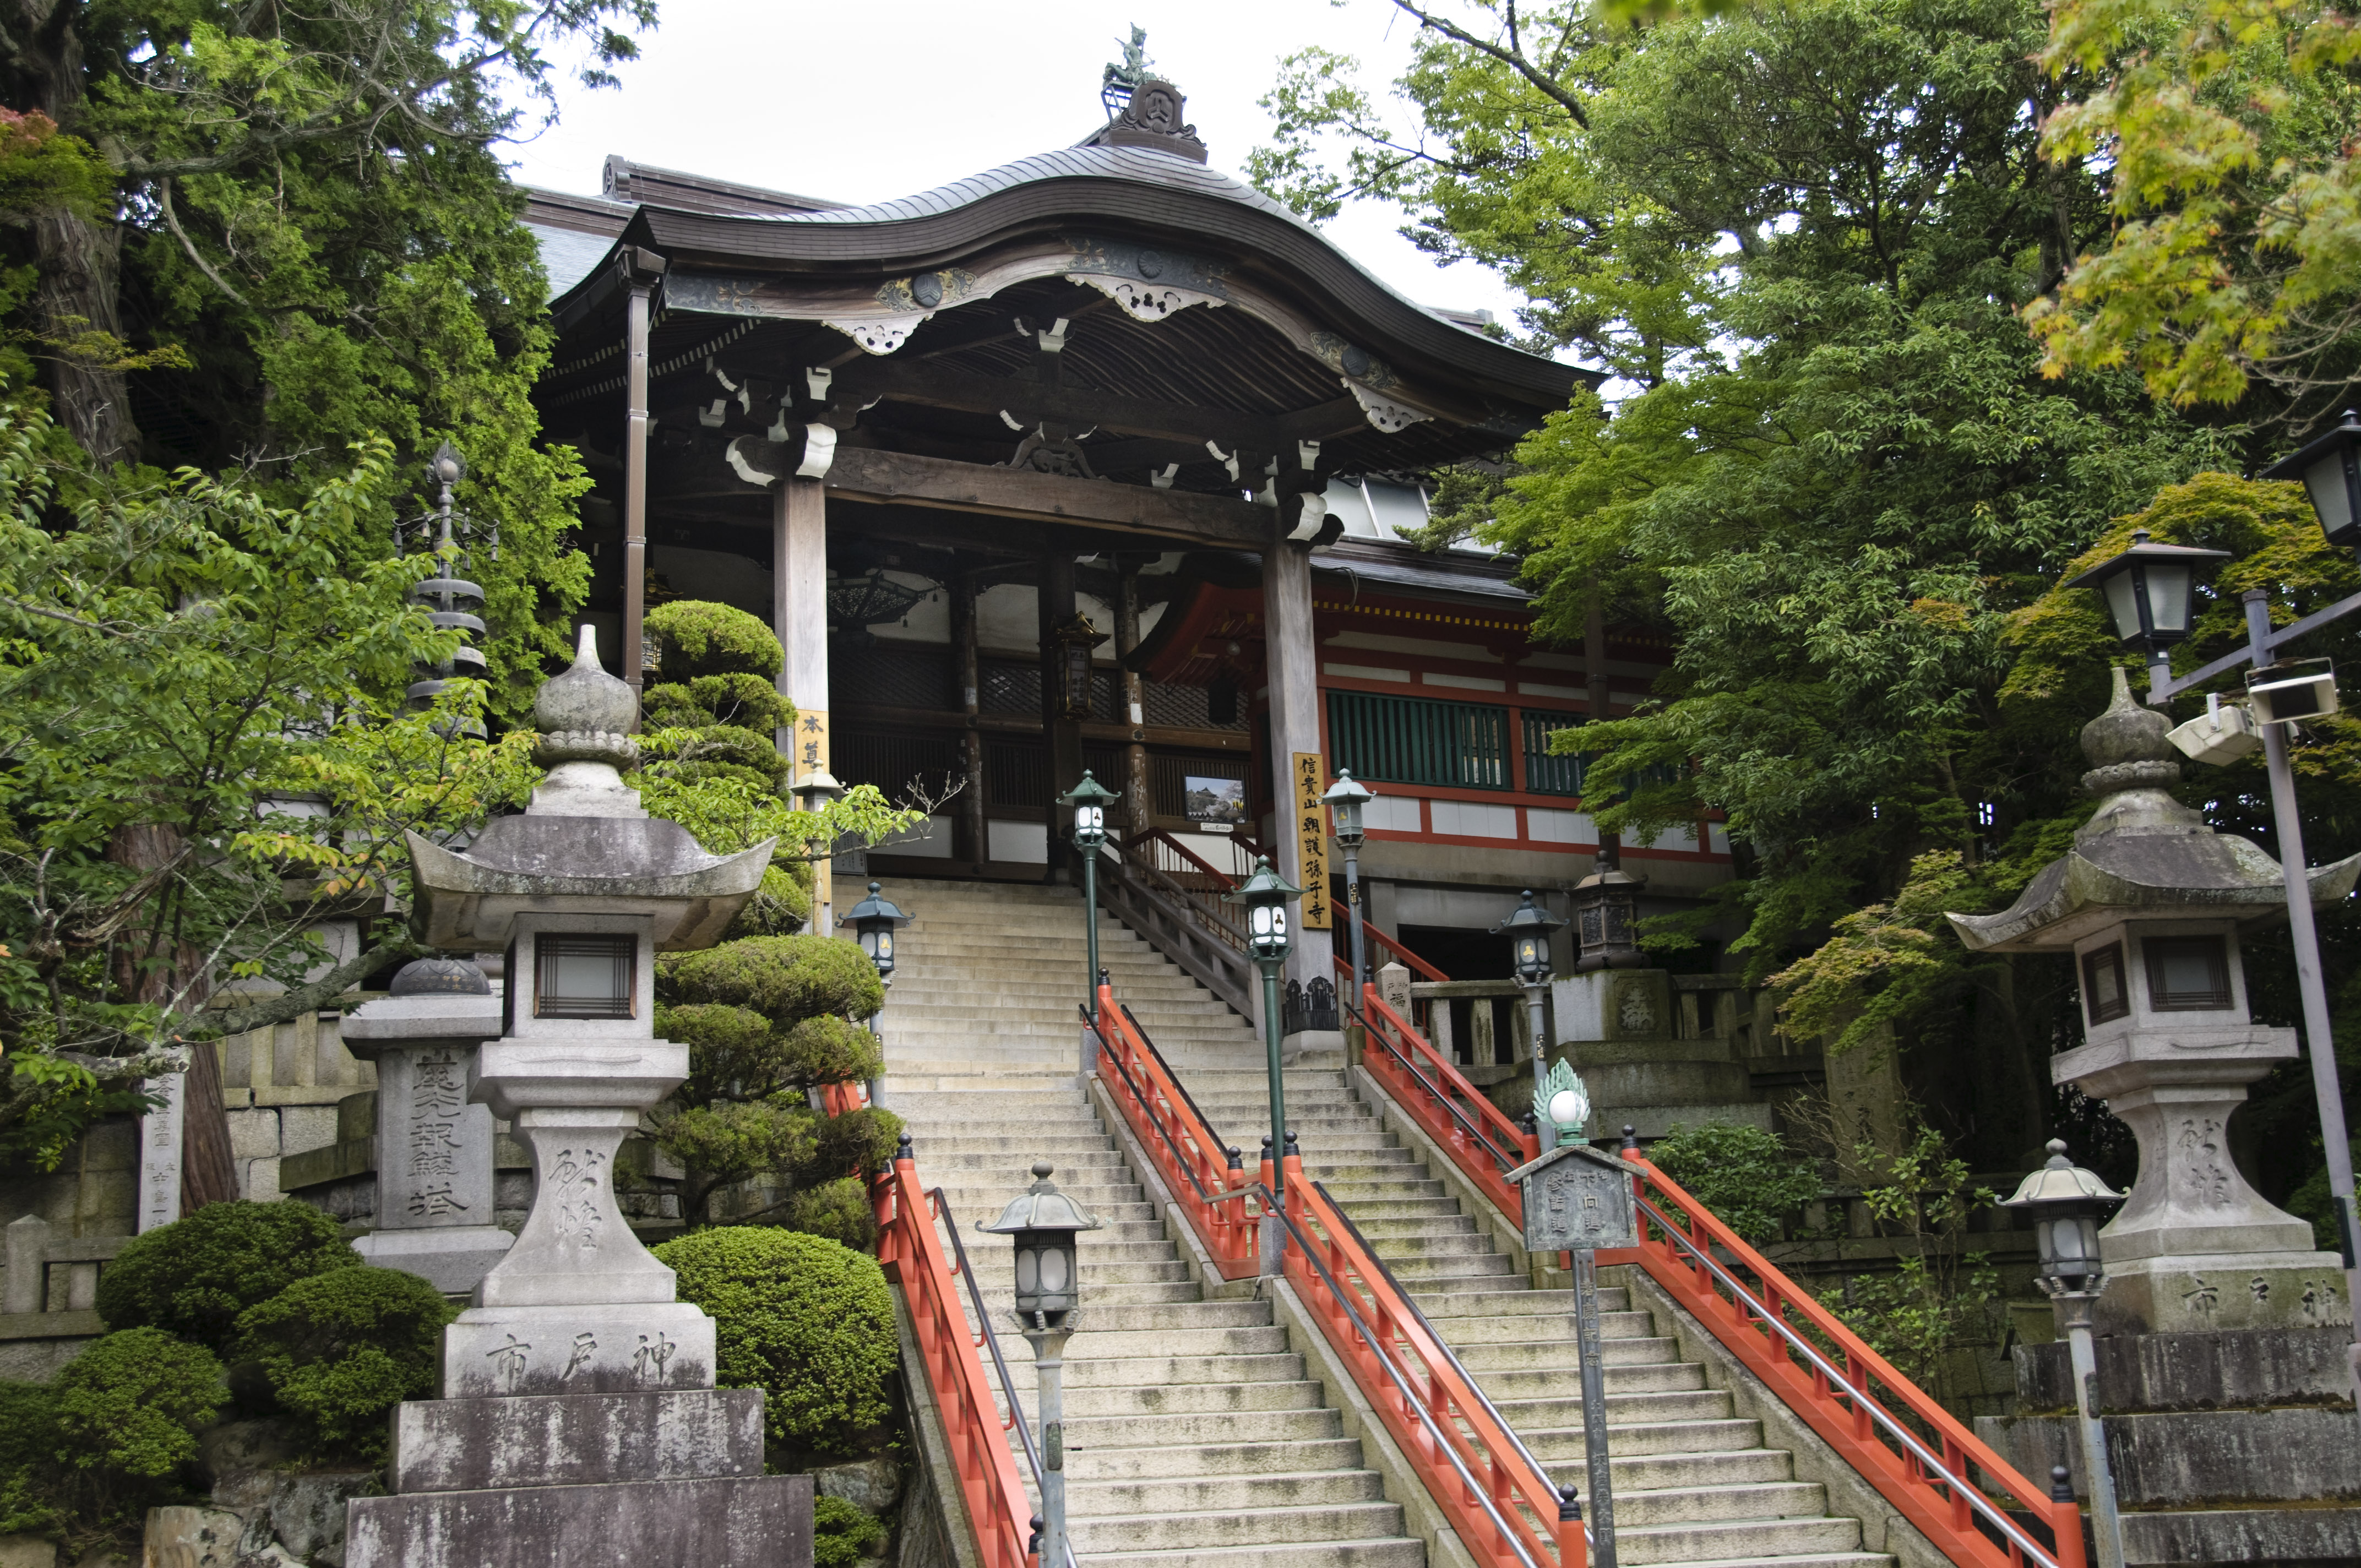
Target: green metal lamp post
1345	800
1527	931
1088	799
1265	897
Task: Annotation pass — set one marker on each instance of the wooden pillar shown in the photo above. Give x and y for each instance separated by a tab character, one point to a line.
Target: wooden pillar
799	617
1292	668
1063	735
642	283
1136	806
1593	664
975	845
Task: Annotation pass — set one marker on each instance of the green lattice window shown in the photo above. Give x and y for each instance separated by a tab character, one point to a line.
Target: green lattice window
1546	774
1403	739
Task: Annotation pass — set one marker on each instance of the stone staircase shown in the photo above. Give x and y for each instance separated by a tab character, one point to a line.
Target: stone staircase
1694	1484
1195	1437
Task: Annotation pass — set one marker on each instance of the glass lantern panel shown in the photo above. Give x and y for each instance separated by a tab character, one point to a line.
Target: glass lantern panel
1259	919
2332	497
1278	920
1028	1271
2168	597
2122	604
2187	974
2105	996
885	944
1055	1274
583	976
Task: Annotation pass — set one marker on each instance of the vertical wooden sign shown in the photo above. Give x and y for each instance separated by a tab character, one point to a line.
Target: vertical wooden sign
1311	836
159	1150
811	754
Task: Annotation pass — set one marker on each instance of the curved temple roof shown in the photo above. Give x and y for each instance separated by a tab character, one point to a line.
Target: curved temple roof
1137	193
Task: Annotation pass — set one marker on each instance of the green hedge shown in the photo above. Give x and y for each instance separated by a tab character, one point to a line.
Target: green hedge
807	1320
114	1436
193	1278
340	1350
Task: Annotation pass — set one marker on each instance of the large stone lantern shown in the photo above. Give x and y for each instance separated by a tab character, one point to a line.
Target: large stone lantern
581	892
2151	902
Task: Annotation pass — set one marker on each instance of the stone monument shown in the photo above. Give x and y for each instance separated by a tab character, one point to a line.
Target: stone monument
2150	901
433	1148
578	1421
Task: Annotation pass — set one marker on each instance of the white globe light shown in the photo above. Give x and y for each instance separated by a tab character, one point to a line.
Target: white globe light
1569	1108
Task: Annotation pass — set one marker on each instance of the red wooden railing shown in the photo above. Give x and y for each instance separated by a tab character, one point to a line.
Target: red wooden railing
1919	1456
1503	1506
911	1250
1183	875
1197	1168
1411	960
1483	1142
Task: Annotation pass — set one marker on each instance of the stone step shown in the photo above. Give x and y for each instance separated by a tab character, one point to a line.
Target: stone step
1750	1540
1119	1418
1553	1428
1256	1526
1211	1458
1613	1301
1507	1375
1383	1551
1720	1504
1200	1493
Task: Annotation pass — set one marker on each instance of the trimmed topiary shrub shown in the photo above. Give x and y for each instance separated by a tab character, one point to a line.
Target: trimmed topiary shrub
838	1209
193	1278
806	1319
115	1435
340	1350
841	1533
698	637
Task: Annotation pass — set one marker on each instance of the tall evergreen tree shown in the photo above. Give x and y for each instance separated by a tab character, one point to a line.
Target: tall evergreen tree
305	237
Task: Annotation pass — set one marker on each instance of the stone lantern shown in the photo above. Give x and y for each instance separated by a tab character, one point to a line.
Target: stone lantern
2151	902
581	892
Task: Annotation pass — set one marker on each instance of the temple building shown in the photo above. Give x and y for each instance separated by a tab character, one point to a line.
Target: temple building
1100	460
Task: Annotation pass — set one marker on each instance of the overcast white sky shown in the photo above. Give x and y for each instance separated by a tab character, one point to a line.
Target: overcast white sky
861	101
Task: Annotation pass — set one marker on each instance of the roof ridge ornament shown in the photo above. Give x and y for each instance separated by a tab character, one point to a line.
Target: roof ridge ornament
1143	109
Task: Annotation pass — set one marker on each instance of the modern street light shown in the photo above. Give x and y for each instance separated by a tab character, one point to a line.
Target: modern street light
2158	599
1265	895
1090	799
1043	1222
1527	931
2066	1201
1345	800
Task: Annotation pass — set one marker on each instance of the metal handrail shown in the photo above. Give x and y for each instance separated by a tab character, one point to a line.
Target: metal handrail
943	1210
1179	1157
1386	1358
1867	1403
1441	1343
1449	1354
1474	1130
1150	1041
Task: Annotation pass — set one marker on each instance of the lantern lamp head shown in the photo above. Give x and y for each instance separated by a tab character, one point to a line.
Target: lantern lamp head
1527	931
1075	638
817	787
1345	799
2150	589
1563	1101
2330	468
874	920
1265	894
1043	1222
1090	800
2066	1201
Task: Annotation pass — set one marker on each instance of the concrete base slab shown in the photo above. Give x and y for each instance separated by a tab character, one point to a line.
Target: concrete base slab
494	1351
2287	1538
453	1259
753	1522
2203	1292
457	1445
